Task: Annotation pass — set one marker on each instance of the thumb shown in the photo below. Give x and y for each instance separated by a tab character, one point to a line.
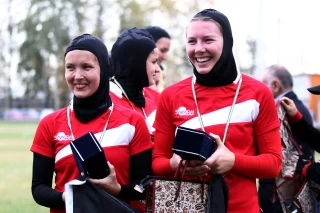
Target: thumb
217	139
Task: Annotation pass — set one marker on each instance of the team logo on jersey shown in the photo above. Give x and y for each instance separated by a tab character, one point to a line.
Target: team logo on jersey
183	111
63	137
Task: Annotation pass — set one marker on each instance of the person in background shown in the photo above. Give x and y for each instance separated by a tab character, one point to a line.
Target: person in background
121	132
252	147
280	82
301	128
163	41
134	57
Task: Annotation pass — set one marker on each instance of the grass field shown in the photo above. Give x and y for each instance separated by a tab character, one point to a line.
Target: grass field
16	168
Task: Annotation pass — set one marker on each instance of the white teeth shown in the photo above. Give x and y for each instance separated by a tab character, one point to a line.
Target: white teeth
203	59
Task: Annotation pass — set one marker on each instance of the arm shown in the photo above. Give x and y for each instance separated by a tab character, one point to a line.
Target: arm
299	126
140	167
265	165
42	174
312	172
140	150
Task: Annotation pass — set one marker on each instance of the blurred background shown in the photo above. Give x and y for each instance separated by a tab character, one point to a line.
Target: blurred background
34	35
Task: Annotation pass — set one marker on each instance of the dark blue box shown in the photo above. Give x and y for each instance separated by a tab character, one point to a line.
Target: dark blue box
90	157
193	144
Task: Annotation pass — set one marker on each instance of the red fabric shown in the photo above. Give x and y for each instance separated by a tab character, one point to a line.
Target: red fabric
297	117
126	135
254	129
305	169
151	94
119	99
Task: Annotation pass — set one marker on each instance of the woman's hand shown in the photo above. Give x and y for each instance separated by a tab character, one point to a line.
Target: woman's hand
289	106
222	160
108	184
195	167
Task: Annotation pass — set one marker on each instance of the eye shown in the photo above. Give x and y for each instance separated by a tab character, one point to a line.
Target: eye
87	67
70	67
209	40
191	41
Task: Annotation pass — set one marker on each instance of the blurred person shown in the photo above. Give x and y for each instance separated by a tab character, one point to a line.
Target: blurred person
163	41
252	147
301	128
280	82
134	57
122	133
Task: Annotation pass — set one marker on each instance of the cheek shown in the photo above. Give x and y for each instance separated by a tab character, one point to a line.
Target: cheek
189	51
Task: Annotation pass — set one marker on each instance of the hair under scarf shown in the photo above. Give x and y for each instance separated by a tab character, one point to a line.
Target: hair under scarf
157	32
87	109
129	58
224	71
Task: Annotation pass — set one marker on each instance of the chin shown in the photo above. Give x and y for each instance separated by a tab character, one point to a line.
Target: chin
203	71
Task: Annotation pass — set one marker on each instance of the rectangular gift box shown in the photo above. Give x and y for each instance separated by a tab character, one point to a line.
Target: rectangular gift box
193	144
90	157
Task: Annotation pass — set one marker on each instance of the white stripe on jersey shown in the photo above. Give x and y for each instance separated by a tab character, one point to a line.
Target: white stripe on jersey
115	89
151	119
119	136
240	114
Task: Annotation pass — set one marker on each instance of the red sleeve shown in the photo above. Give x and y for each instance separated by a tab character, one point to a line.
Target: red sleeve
305	169
267	118
163	121
162	154
43	139
267	163
294	119
141	140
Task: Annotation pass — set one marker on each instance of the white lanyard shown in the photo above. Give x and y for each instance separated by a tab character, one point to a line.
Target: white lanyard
126	96
104	129
231	110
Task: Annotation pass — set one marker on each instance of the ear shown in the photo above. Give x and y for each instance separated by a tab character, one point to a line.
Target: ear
276	86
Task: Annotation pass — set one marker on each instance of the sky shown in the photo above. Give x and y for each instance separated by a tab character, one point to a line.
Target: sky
286	31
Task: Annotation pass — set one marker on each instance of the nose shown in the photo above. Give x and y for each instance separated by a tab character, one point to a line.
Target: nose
78	74
199	47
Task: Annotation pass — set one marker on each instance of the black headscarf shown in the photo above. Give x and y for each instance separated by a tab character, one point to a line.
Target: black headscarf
224	71
129	55
157	32
87	109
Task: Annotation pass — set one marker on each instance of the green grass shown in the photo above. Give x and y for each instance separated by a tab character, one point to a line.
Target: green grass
16	168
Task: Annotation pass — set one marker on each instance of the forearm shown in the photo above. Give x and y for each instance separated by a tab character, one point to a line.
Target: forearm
267	163
42	192
140	168
162	154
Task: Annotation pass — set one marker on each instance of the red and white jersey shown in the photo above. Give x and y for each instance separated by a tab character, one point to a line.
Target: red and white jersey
151	94
118	98
126	135
254	114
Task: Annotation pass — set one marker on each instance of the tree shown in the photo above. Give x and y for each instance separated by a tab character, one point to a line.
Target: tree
47	27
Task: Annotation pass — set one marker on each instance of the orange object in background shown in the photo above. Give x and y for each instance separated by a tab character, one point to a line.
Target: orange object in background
300	84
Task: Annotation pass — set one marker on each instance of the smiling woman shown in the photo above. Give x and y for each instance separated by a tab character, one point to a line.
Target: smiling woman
218	95
122	133
82	73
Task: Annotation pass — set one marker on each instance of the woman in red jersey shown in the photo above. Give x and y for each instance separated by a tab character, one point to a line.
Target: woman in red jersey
216	93
122	133
134	57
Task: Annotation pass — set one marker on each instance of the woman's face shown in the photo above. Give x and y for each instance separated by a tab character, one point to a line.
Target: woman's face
82	73
151	65
204	45
163	45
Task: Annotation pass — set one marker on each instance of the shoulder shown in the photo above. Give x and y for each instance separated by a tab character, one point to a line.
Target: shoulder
178	87
123	113
255	86
56	116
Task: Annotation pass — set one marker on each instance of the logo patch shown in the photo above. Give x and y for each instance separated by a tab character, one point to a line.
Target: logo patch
63	137
184	112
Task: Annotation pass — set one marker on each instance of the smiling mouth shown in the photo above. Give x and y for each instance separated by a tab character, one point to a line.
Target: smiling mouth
80	86
203	59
